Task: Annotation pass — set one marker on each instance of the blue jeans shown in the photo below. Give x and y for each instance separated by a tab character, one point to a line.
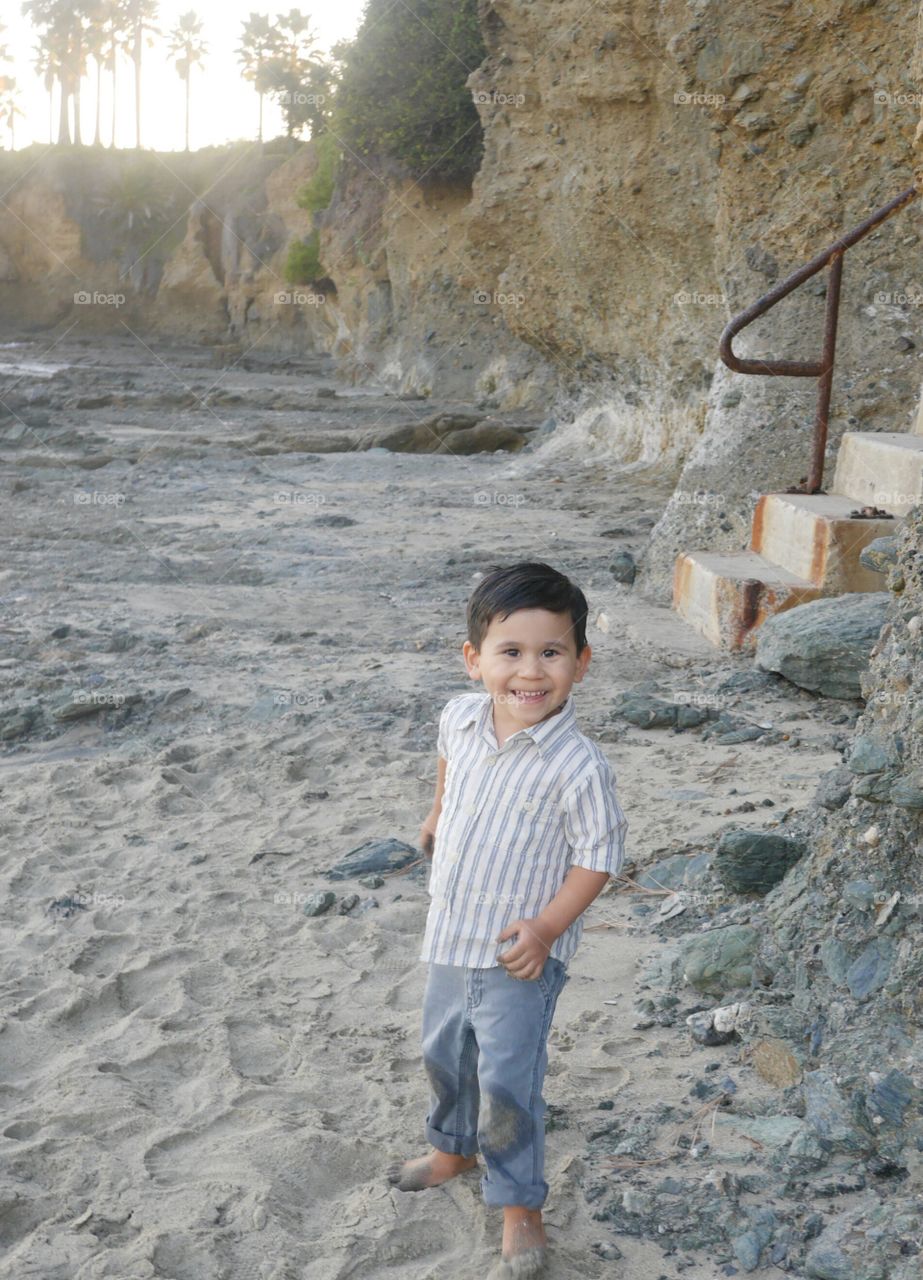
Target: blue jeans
484	1038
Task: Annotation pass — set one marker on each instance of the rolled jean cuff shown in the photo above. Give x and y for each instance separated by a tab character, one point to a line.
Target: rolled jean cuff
501	1192
452	1144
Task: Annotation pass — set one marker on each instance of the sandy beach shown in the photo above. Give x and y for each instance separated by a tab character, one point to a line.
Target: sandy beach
235	653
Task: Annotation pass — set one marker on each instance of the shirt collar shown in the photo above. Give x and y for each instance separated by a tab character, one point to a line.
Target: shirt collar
544	735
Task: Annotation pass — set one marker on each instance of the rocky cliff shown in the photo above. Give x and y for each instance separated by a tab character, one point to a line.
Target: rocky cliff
648	171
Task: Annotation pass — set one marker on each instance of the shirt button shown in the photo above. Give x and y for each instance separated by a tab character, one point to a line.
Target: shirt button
491	760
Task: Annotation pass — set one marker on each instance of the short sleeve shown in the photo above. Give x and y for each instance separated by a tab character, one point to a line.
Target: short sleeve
442	744
594	823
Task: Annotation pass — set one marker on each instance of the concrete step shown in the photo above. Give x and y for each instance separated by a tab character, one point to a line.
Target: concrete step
727	595
813	537
881	469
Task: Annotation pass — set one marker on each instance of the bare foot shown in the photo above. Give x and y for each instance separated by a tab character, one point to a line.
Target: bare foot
524	1246
428	1171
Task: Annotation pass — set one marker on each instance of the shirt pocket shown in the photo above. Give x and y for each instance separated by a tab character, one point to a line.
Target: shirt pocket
538	813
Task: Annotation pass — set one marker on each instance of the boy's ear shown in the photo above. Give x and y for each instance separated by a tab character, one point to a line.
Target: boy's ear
472	660
583	662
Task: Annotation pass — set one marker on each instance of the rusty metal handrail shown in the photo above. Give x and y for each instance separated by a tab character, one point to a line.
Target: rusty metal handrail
822	368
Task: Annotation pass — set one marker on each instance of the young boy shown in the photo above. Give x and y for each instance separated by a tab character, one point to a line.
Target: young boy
524	832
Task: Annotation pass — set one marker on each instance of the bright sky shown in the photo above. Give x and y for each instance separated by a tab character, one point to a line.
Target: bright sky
223	108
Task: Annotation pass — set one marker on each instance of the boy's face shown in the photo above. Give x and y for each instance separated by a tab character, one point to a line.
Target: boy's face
528	662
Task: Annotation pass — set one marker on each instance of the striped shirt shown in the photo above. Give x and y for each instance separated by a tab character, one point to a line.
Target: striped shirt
514	820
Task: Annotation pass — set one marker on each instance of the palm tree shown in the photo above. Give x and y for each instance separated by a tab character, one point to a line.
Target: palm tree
259	41
291	69
60	54
95	41
187	49
9	107
115	31
140	16
45	66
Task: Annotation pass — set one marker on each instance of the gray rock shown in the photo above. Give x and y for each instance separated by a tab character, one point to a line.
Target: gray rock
646	711
860	894
907	792
371	882
870	970
834	788
369	904
749	733
875	787
887	1101
721	960
871	756
317	903
347	903
373	856
690	717
754	861
835	959
824	645
679	871
827	1114
16	722
623	568
880	555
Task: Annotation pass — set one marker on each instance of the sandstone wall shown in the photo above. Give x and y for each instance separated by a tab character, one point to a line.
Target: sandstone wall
648	171
651	170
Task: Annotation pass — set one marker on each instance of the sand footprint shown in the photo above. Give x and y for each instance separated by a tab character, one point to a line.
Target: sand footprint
256	1051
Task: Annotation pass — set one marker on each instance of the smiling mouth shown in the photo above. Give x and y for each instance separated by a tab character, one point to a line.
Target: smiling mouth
523	695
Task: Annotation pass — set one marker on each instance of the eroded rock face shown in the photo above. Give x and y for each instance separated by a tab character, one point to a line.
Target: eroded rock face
846	925
645	176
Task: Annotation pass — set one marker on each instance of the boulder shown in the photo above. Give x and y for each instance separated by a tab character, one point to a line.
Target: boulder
721	960
824	645
754	861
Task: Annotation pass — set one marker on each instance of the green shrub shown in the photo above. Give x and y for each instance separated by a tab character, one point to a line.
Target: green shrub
317	193
402	92
303	265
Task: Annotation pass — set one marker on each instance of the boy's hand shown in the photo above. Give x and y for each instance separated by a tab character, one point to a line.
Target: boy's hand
526	957
427	837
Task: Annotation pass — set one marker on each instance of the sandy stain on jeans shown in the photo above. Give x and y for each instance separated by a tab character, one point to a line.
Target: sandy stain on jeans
504	1127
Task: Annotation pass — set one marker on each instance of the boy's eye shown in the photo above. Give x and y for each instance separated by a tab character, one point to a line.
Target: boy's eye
545	653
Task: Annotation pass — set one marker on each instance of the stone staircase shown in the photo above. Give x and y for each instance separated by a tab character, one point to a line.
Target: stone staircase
803	546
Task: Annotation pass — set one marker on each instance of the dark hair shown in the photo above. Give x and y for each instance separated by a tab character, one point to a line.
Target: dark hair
527	585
